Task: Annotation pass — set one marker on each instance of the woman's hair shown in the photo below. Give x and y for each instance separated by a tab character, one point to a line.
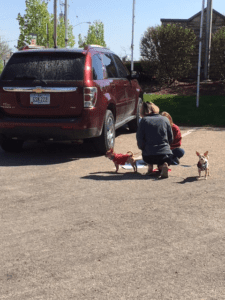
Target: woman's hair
149	108
166	114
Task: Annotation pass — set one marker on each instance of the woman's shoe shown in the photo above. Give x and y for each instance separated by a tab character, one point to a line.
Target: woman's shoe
164	171
174	161
150	170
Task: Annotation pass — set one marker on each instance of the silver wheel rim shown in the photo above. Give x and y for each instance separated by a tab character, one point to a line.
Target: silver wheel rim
110	132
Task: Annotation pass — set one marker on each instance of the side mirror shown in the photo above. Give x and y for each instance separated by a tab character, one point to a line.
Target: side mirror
133	75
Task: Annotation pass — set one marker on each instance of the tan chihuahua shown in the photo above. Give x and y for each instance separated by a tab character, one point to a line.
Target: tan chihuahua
121	159
203	163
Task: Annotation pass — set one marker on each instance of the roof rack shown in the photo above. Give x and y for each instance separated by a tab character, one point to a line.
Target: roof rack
92	46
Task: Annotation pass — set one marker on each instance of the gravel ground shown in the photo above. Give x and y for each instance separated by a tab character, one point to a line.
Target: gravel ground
73	229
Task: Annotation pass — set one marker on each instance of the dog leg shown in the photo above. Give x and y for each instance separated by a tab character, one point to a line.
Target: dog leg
117	167
134	165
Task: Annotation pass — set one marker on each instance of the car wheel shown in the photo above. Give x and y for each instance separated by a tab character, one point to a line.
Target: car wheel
133	125
107	138
9	145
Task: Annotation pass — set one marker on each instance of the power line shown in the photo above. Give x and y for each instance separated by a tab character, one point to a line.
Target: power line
8	41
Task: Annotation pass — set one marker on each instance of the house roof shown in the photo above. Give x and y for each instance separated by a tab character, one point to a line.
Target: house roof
191	18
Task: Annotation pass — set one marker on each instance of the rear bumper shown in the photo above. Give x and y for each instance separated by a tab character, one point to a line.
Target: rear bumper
56	129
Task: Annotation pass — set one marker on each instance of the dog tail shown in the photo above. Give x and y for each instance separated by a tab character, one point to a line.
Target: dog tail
131	153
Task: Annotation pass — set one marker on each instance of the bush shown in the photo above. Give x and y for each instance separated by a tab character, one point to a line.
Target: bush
166	50
139	67
1	66
149	68
217	60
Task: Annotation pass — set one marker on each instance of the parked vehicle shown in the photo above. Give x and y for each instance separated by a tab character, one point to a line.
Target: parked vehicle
66	94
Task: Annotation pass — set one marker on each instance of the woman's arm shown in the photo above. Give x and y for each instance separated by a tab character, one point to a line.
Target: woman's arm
176	137
169	133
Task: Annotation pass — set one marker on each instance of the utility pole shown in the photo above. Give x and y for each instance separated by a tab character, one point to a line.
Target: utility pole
208	39
47	35
132	42
55	23
200	52
66	23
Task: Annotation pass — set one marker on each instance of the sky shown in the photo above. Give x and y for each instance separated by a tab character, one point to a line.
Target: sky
116	16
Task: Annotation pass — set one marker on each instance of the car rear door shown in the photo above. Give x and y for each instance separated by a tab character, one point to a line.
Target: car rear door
117	89
128	87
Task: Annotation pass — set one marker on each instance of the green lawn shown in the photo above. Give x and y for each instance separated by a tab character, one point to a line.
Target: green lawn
211	110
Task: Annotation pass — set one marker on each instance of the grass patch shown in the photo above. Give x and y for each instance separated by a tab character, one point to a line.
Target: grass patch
211	110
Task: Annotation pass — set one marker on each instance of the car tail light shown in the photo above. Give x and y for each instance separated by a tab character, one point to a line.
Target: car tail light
90	96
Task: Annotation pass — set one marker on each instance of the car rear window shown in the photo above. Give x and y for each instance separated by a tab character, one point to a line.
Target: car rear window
45	66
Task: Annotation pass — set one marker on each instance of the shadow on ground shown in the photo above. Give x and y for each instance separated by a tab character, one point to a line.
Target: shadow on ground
112	176
47	153
189	179
34	153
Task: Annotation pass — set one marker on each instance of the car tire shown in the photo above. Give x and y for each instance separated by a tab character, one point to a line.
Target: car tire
9	145
106	140
133	125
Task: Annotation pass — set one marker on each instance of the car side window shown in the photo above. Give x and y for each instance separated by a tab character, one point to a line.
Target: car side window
97	67
110	66
122	71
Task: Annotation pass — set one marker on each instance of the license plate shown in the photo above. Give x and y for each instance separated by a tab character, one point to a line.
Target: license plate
39	99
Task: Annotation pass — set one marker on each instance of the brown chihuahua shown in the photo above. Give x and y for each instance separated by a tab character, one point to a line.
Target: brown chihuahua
203	163
121	159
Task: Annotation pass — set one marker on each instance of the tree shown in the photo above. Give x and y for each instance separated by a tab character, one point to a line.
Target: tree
168	50
36	20
1	66
217	64
81	42
4	53
95	35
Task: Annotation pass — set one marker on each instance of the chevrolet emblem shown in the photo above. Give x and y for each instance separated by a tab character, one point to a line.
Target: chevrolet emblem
38	90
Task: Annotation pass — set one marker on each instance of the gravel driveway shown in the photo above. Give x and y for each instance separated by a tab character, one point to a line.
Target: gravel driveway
73	229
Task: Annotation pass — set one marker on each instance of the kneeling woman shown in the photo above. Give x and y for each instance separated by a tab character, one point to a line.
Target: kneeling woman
154	136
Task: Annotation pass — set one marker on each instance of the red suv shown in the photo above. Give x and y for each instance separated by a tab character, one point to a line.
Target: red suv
66	94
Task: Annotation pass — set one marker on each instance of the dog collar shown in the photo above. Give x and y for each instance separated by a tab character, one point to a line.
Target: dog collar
202	167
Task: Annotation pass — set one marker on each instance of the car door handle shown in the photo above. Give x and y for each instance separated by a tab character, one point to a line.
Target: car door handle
113	85
125	84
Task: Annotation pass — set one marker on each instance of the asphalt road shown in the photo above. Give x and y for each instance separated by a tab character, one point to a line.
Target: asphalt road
73	229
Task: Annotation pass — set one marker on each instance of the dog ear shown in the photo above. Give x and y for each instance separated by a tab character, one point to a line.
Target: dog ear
197	153
110	151
206	153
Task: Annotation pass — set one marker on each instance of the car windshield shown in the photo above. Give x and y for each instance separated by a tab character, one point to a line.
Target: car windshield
45	66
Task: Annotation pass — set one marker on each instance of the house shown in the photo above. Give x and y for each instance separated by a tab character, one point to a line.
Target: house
32	45
218	20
